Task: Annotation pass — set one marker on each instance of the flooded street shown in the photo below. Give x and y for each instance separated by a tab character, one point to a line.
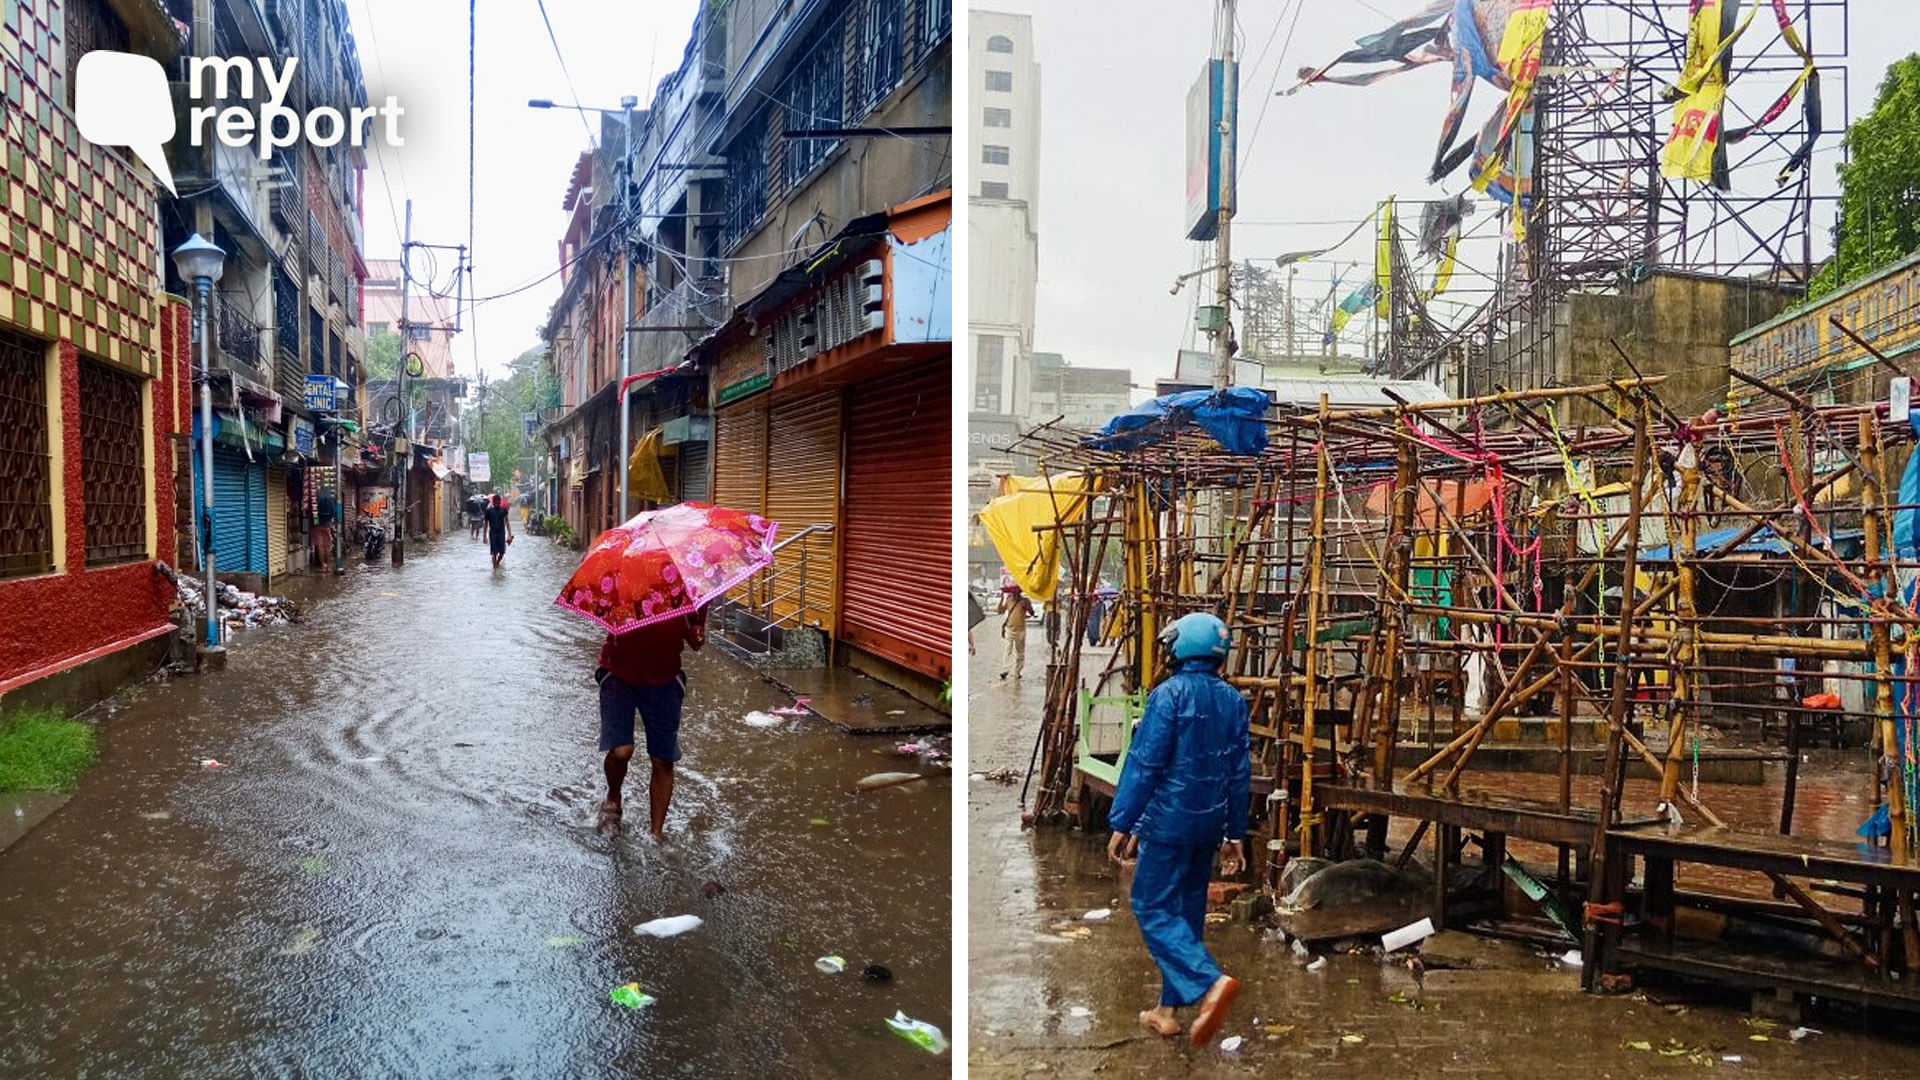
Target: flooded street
1054	995
395	873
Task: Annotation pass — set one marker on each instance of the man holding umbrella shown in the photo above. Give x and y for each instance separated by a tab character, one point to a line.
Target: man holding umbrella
640	672
648	582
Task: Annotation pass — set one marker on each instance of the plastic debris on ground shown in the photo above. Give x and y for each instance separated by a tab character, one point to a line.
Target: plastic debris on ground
819	821
831	965
1079	1012
1099	914
885	779
1800	1033
798	708
631	996
1318	965
1572	958
932	749
210	763
562	942
668	926
757	718
919	1033
1300	949
1410	934
1231	1044
875	973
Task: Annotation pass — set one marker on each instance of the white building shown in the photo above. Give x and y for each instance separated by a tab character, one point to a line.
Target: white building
1003	210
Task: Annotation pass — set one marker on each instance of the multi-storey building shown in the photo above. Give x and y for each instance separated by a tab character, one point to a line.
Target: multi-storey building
288	306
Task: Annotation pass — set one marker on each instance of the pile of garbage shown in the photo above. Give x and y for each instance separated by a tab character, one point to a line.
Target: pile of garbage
238	608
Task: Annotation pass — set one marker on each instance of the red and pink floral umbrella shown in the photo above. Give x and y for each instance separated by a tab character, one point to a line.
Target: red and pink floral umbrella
665	563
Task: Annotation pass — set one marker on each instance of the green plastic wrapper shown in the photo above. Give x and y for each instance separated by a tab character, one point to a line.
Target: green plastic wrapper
631	996
919	1033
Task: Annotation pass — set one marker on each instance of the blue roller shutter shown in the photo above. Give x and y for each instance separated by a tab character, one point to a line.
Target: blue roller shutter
239	511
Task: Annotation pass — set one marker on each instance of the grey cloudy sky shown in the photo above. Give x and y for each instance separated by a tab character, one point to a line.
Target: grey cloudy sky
1115	75
417	51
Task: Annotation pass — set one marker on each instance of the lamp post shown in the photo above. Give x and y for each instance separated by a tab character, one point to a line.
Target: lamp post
202	261
627	105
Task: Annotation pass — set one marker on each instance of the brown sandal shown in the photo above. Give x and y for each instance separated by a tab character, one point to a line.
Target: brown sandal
609	819
1213	1010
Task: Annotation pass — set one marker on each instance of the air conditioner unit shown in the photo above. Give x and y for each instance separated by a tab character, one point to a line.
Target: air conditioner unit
873	306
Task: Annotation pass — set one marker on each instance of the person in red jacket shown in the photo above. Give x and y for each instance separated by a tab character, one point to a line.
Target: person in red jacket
640	672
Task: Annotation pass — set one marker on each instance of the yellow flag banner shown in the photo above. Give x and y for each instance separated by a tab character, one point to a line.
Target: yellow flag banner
1021	525
1444	274
1383	262
1693	150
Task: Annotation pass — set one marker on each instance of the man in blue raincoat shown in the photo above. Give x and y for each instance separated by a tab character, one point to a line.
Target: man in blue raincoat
1182	800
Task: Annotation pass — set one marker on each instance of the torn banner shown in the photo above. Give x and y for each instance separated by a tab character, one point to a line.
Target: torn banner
1694	150
1020	524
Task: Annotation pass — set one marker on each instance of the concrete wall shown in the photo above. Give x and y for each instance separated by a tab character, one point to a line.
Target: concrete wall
1671	324
75	614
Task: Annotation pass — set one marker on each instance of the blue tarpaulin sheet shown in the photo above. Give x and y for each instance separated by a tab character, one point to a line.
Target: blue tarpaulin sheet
1847	544
1235	417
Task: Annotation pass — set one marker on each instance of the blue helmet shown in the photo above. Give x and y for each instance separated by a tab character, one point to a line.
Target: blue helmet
1198	636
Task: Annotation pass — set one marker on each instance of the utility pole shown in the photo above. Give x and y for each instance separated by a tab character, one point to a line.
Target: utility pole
627	105
1223	240
405	460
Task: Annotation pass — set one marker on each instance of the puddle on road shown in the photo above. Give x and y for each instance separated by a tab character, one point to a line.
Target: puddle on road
355	893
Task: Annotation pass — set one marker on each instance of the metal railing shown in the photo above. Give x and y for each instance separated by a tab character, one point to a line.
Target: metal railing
782	585
239	334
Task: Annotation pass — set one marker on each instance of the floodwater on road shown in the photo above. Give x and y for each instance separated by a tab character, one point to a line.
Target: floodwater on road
1051	994
395	873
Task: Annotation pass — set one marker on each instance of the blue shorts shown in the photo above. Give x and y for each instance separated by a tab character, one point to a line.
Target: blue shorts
659	709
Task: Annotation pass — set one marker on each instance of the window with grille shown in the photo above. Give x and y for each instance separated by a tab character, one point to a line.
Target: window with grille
316	343
993	155
814	95
746	198
1000	81
90	25
880	52
1000	43
936	25
993	189
26	491
996	118
113	470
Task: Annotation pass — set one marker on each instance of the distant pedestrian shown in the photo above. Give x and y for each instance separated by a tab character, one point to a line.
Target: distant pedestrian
326	513
476	514
640	672
1182	802
499	530
1016	609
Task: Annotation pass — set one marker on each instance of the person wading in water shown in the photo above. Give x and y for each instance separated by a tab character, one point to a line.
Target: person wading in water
640	672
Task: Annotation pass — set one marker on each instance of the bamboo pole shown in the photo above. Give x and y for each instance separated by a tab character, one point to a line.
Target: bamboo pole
1310	704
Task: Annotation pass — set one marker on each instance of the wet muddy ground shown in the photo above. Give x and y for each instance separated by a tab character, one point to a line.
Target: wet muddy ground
395	873
1053	995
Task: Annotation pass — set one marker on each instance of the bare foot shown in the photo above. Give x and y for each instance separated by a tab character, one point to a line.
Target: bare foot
659	837
609	818
1161	1022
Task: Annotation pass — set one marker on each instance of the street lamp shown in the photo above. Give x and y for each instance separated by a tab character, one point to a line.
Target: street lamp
202	261
627	105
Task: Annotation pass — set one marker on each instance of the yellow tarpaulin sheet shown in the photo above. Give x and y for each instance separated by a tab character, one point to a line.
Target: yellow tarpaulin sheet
645	480
1019	524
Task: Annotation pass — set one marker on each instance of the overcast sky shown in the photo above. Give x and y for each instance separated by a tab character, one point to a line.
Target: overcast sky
1112	163
417	51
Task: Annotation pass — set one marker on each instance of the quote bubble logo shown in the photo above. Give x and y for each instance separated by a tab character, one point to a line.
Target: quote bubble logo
121	99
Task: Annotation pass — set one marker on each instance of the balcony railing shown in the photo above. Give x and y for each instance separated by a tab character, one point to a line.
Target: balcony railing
239	334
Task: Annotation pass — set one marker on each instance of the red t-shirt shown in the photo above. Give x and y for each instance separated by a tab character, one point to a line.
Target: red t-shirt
650	655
